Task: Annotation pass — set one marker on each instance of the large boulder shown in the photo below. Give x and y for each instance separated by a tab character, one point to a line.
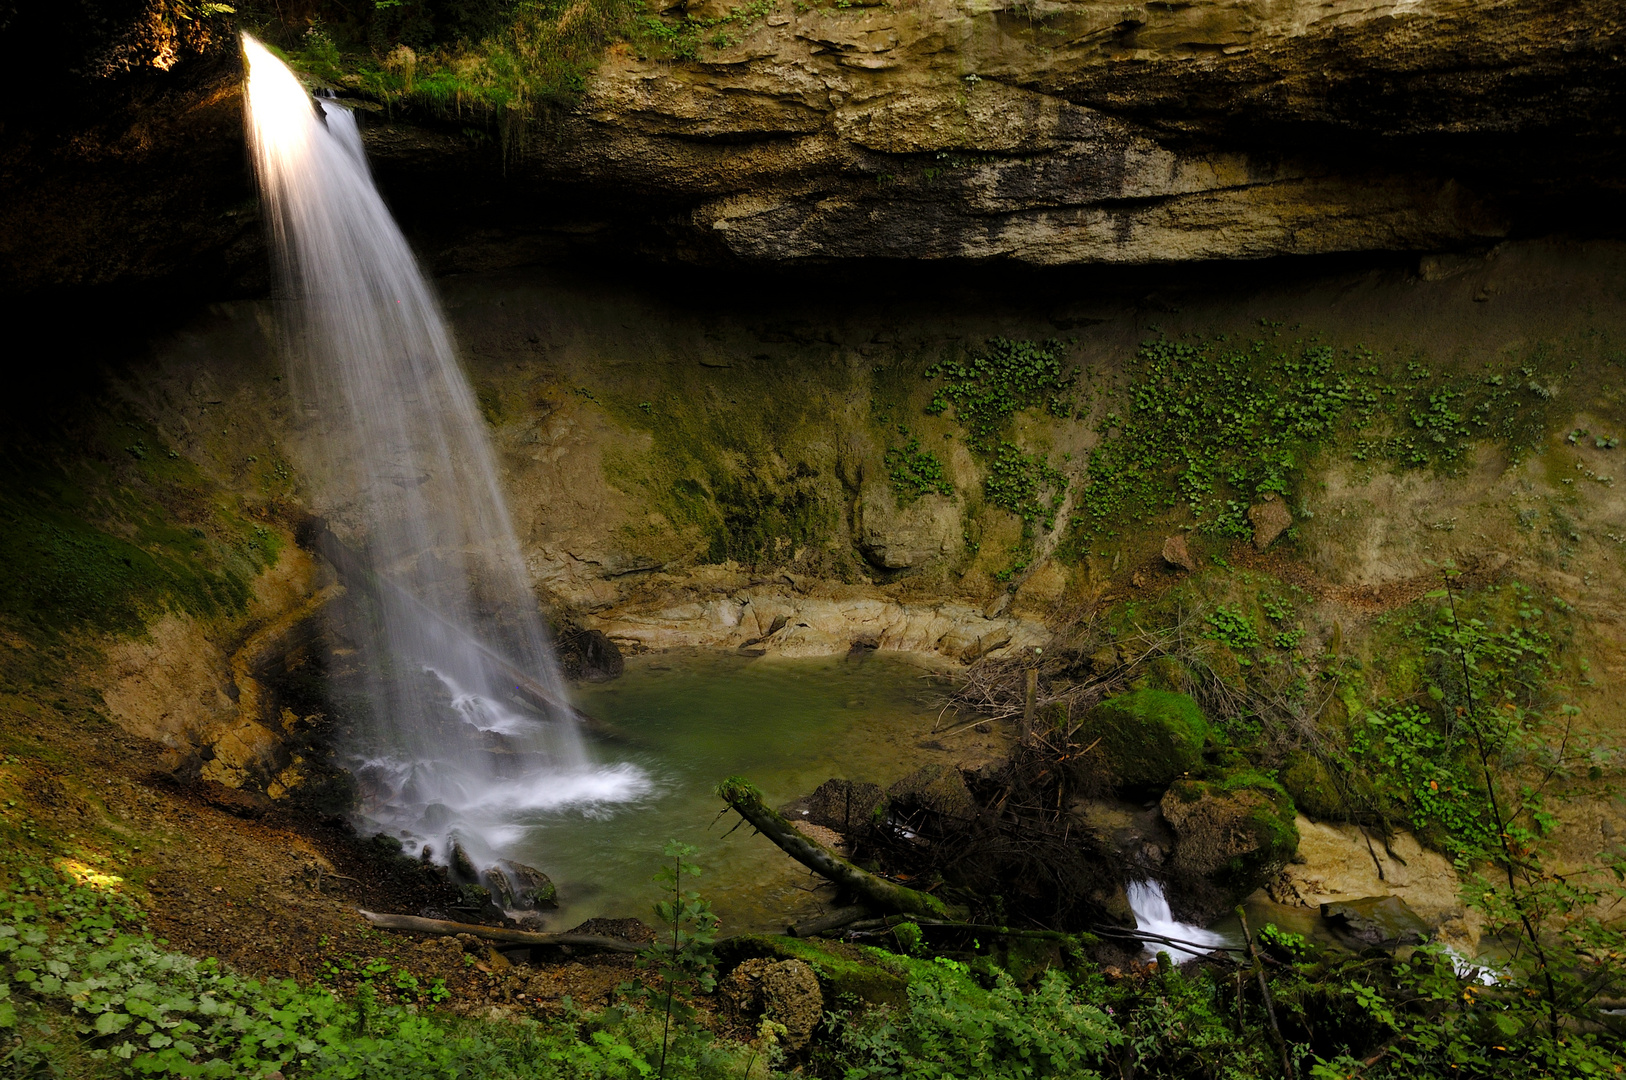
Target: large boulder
1231	835
1376	920
936	788
517	887
589	655
1270	518
1314	789
846	806
1147	738
786	991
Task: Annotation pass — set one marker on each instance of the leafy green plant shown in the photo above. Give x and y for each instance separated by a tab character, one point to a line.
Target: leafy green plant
1019	483
1006	377
1288	639
916	472
1473	763
1293	946
1233	628
81	980
953	1029
684	36
1212	425
681	958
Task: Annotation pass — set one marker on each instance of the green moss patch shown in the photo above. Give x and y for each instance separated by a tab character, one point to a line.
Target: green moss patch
103	527
1147	737
850	975
1312	786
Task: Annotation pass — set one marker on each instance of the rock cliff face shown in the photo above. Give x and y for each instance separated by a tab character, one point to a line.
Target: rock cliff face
1104	132
1025	130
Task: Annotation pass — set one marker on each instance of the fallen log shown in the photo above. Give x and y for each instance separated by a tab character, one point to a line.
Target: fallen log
834	920
447	928
873	891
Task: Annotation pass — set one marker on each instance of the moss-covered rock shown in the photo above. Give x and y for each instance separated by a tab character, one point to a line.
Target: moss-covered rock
1167	673
1148	738
848	974
1231	834
1314	789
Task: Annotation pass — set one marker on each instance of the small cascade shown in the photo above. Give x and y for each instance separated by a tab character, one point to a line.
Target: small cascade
1152	915
407	477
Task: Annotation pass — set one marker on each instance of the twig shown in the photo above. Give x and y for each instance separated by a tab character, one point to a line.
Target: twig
1147	935
1264	990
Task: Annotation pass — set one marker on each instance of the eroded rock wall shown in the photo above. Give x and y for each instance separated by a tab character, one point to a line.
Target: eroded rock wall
1039	133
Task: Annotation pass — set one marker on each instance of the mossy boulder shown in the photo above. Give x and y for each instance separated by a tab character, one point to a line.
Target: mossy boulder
1148	738
1167	673
1231	834
848	974
1314	789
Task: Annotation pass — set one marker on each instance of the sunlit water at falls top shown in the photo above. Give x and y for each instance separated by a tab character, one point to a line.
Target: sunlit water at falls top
408	480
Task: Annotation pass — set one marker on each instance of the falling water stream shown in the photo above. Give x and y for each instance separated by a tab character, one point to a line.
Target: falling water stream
1152	915
450	750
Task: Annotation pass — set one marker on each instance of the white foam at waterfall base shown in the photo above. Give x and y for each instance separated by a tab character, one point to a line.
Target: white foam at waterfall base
405	472
1152	916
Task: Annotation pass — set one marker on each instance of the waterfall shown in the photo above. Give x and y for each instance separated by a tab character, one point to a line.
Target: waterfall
449	750
1152	914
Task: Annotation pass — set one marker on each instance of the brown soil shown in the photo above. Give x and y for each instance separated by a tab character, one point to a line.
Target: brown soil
1154	576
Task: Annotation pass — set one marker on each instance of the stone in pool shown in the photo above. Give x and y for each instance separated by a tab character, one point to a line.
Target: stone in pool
1377	920
847	806
516	886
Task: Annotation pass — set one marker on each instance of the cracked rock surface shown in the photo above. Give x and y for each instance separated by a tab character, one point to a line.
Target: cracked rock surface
1095	132
1033	132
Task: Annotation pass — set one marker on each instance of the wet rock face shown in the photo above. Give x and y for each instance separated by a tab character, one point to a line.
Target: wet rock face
893	536
589	655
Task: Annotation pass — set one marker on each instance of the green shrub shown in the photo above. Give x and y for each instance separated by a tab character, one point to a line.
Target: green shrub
953	1028
77	964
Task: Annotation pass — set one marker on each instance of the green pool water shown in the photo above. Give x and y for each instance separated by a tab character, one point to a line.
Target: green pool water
686	720
689	720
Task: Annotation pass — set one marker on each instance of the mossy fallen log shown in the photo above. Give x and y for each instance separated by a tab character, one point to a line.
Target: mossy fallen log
834	920
447	928
873	891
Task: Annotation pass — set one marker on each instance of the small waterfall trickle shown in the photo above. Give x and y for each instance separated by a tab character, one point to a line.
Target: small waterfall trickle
406	468
1152	915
